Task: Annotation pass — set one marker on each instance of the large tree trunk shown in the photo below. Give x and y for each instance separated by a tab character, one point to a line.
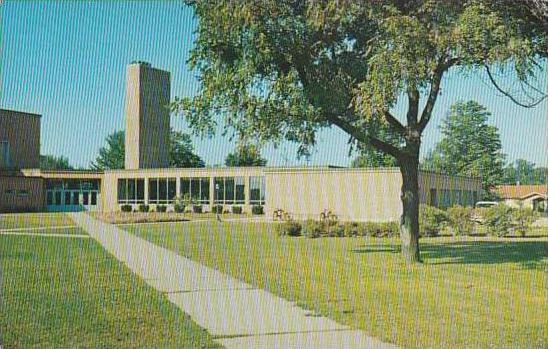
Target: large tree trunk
409	221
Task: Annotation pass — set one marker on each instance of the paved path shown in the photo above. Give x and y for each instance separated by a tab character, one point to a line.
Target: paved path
235	313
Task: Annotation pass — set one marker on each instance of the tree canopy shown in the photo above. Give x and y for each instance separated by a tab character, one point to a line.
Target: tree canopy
245	155
524	172
469	147
181	152
52	162
282	69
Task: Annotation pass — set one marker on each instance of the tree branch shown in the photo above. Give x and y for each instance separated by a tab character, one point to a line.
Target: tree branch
413	106
434	92
507	94
395	123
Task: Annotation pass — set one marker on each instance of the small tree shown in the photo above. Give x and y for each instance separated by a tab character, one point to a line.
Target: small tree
431	220
245	155
498	220
460	220
523	220
51	162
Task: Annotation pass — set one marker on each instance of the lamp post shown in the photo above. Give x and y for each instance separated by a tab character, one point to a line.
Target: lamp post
216	199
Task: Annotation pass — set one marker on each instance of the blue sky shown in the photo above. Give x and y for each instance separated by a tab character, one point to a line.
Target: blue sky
66	60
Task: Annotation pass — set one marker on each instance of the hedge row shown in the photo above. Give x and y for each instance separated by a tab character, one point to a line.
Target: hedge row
180	208
316	229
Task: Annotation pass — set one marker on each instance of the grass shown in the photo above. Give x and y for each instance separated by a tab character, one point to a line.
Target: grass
59	292
34	220
469	293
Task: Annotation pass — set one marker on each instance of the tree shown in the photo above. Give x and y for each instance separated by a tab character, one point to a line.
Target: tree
245	155
51	162
524	172
181	152
111	156
369	156
469	147
283	69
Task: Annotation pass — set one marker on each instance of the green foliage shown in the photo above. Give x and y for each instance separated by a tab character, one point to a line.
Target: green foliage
245	155
469	147
431	220
51	162
161	208
217	209
498	220
314	229
181	152
126	208
460	220
257	209
197	208
289	228
237	209
144	208
180	203
523	219
524	172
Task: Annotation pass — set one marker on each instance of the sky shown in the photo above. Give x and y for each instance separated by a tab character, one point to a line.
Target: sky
66	61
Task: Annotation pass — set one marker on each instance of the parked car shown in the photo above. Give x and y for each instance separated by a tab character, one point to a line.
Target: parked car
485	204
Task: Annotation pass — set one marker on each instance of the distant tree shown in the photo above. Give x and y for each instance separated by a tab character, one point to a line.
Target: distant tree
369	156
181	152
112	155
524	172
469	146
51	162
245	155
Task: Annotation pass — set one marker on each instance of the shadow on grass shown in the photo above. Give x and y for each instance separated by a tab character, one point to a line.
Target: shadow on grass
529	254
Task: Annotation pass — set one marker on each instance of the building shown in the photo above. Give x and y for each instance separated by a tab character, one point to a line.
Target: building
527	196
351	194
19	150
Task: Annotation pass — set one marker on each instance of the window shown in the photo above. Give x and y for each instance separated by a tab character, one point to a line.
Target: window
161	190
256	190
131	191
9	192
229	190
5	154
23	193
197	188
433	198
49	198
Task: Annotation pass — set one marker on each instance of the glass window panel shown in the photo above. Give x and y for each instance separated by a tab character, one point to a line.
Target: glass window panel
219	193
75	198
153	190
185	187
195	189
162	189
131	190
204	191
140	183
93	198
67	197
57	198
171	189
122	190
85	198
240	189
229	190
49	198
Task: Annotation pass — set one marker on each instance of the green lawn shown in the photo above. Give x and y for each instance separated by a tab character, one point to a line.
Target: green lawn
68	292
33	220
469	293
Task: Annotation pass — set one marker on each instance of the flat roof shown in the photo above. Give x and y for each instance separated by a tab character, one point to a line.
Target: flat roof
20	112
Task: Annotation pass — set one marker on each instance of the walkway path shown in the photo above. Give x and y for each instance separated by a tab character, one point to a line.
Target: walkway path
235	313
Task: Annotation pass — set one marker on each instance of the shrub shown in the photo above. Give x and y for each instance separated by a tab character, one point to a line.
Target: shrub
197	208
179	207
313	229
161	208
144	208
523	219
257	209
387	229
237	209
351	229
431	220
460	220
126	208
217	209
290	228
498	220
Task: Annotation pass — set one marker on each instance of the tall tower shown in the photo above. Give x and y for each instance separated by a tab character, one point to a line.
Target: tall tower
147	116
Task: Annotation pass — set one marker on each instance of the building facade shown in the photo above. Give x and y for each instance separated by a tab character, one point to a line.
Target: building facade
19	140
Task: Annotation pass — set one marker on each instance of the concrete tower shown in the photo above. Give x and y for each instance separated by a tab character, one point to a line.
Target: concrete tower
147	116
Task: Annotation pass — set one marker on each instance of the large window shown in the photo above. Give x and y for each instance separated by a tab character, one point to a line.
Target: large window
256	190
131	191
162	190
197	188
229	190
5	154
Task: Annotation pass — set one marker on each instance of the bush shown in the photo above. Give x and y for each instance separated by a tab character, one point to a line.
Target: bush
217	209
498	220
313	229
431	220
289	228
460	220
144	208
387	229
161	208
126	208
179	207
237	209
351	229
257	209
197	209
523	219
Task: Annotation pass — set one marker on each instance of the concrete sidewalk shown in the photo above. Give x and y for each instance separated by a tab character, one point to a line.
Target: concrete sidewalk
235	313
